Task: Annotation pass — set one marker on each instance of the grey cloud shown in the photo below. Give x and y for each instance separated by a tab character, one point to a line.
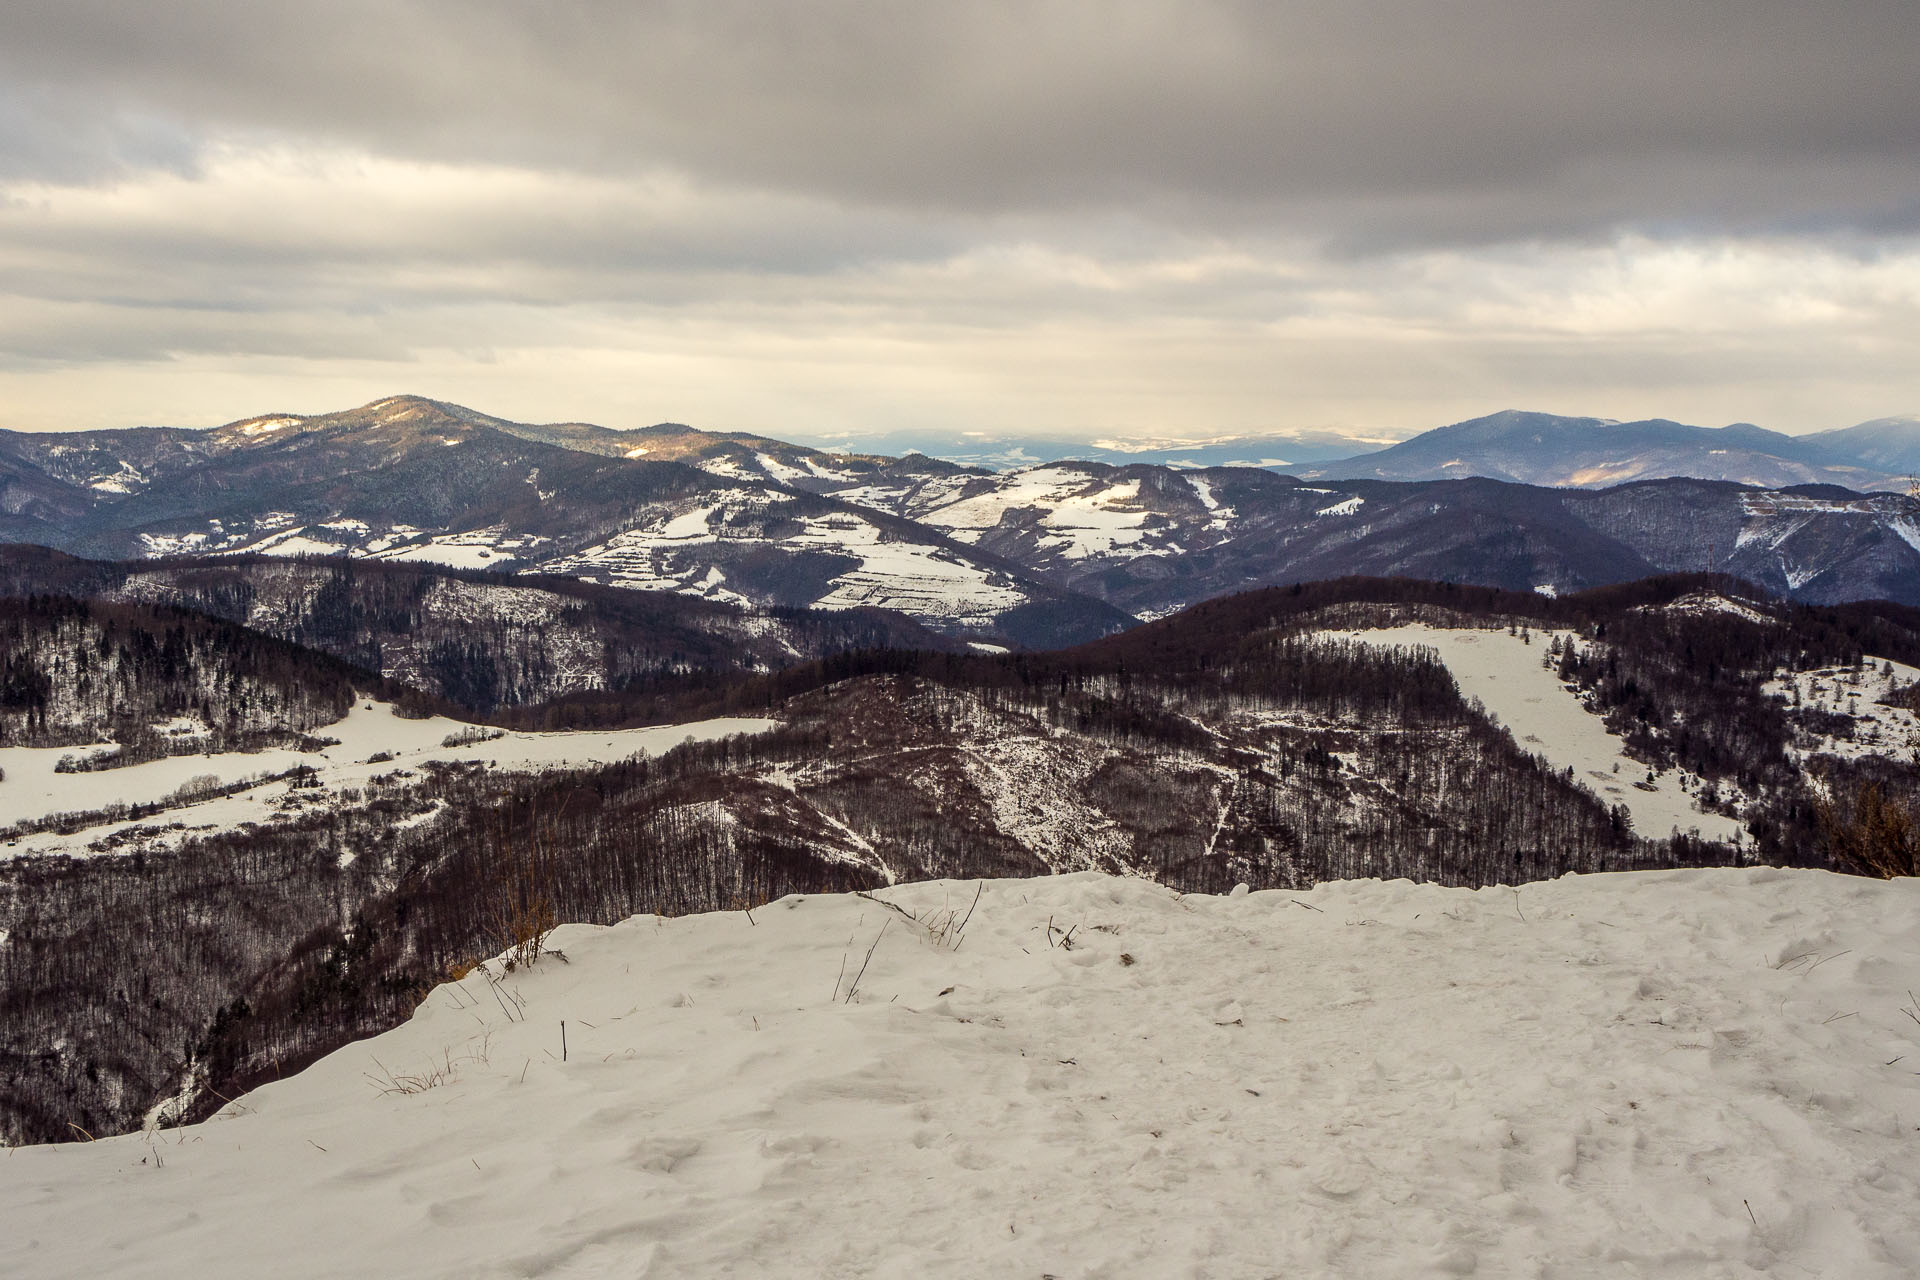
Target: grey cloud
271	237
43	135
1202	216
1360	119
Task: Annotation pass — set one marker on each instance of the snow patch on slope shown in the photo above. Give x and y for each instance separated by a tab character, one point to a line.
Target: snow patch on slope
1082	515
1874	729
1345	507
127	478
1906	531
1038	487
921	579
477	549
1219	515
1711	604
266	426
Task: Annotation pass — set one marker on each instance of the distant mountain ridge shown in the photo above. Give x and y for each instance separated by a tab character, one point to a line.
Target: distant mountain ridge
1563	452
998	451
1041	556
1892	444
408	479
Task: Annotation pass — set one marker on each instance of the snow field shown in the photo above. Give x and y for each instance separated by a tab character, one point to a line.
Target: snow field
1651	1074
480	549
1043	486
1344	507
922	580
1545	717
1086	516
31	789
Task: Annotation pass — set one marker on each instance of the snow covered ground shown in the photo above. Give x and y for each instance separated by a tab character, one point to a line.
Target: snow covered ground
1087	514
1877	730
922	579
1699	1073
1547	718
31	789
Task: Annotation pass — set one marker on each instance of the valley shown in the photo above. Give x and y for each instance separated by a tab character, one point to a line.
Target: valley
296	893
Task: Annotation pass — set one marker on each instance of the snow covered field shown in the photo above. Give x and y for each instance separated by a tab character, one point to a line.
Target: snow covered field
1087	515
31	789
1548	719
922	579
1699	1073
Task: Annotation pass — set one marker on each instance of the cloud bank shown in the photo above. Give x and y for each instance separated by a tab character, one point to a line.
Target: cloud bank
1063	217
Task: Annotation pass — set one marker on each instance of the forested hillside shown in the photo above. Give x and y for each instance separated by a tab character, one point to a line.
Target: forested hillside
146	681
480	640
1272	759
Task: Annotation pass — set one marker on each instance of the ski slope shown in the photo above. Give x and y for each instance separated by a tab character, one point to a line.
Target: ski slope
1705	1074
1547	718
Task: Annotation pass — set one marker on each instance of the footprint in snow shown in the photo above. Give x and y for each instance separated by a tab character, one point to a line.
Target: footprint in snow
1337	1177
661	1153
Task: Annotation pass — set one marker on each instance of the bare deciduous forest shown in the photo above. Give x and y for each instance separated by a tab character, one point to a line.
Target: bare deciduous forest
1230	743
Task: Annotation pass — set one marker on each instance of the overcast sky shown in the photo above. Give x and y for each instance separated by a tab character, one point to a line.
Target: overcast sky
1070	219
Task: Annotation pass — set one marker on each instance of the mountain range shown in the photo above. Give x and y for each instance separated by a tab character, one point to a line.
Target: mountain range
1547	449
313	729
1526	448
1036	557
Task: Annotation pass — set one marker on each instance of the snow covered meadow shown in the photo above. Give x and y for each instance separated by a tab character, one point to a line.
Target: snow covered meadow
1504	673
1709	1073
371	740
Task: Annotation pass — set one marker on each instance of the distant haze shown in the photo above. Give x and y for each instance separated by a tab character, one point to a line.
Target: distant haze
1061	221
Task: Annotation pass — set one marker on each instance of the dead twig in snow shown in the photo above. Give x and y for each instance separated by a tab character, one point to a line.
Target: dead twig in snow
843	968
855	987
891	906
976	902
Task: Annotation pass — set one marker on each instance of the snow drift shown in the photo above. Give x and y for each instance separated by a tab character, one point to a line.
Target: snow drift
1702	1073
